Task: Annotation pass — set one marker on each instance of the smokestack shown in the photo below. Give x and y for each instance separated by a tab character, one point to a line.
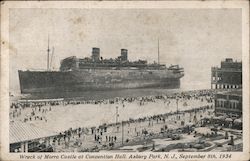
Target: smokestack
96	54
124	54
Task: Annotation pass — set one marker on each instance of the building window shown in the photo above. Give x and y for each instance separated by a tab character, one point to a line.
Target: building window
222	103
235	105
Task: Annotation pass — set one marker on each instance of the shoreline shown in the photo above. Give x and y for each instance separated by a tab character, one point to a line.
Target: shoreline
24	97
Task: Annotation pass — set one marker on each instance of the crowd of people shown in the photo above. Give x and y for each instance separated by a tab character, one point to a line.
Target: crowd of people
39	109
109	135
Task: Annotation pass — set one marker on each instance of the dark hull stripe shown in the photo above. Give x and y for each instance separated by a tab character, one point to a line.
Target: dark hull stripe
31	82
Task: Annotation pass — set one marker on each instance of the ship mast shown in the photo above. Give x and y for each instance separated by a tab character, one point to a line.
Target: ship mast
48	50
158	52
51	57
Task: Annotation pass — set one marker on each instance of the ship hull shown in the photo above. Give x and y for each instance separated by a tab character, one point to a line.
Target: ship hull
57	81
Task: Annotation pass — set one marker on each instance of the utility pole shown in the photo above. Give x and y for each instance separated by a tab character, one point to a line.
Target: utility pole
116	115
122	132
177	112
116	118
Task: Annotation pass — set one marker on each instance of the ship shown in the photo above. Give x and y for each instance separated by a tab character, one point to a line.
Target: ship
96	73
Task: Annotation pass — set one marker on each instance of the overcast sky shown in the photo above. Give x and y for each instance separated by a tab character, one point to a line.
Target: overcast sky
196	39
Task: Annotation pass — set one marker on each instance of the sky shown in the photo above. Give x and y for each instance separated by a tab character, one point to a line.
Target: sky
196	39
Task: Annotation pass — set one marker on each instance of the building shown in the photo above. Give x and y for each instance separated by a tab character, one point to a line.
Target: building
229	103
229	75
29	138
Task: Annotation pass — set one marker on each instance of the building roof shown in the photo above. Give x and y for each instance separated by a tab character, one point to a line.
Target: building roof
41	100
20	132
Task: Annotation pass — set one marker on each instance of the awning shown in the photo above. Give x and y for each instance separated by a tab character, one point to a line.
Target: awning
229	119
41	100
222	117
207	117
237	121
189	124
20	132
215	118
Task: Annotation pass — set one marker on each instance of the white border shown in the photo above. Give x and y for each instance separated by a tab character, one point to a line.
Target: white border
244	5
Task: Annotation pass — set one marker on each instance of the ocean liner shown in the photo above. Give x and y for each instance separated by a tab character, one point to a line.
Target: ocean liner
96	73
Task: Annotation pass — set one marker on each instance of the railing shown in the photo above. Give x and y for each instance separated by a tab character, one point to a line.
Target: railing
226	69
